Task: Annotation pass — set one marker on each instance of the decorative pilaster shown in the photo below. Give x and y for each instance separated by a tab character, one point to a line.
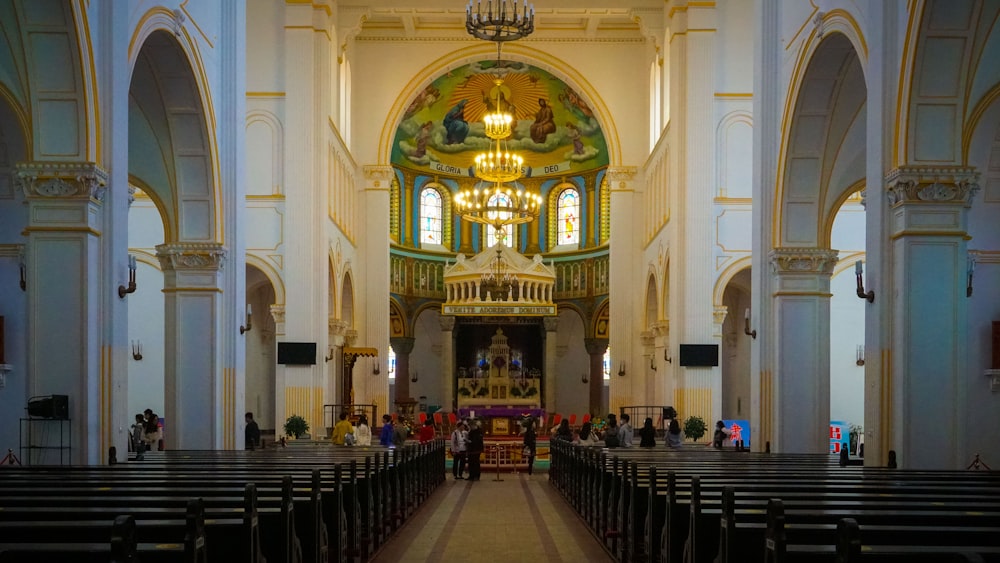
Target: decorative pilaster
335	329
664	392
596	347
65	281
375	246
448	381
929	209
801	381
625	316
280	415
402	346
551	361
193	383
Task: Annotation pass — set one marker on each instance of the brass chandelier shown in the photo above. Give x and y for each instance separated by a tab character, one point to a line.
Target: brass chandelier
498	283
503	24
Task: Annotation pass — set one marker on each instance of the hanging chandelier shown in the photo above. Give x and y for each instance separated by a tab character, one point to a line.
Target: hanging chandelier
504	23
498	282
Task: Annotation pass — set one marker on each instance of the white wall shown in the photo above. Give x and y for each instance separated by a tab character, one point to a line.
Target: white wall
426	359
847	318
572	395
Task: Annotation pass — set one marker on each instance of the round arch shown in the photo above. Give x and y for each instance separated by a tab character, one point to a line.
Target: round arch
347	297
271	273
513	52
172	55
652	298
727	275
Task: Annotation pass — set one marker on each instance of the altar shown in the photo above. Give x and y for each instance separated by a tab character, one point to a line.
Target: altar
499	389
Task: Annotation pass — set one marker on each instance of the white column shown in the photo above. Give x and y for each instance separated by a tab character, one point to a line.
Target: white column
334	365
375	388
64	272
801	392
447	363
625	315
929	209
664	372
767	112
278	314
551	361
194	388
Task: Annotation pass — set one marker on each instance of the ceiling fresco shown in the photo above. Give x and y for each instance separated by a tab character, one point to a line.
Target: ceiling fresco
555	129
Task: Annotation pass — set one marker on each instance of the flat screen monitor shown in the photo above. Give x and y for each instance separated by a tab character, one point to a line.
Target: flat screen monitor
297	353
700	355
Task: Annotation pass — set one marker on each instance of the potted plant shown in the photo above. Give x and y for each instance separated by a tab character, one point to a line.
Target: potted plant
296	426
694	428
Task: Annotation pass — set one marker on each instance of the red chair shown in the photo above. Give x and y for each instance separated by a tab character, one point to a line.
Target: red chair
452	419
556	420
586	418
439	422
395	417
422	418
572	420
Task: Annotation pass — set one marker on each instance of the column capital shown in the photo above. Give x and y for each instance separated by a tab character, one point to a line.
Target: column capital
620	177
278	313
191	255
378	175
647	339
719	314
661	328
335	326
932	184
551	323
73	180
402	344
596	346
792	260
350	337
447	323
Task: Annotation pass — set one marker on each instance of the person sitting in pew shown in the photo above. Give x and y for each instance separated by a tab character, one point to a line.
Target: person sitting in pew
341	431
647	434
363	433
674	437
427	431
721	435
586	436
252	433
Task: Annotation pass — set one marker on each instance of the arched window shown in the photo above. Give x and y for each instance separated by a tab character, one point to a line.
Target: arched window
568	216
507	233
391	363
607	363
431	212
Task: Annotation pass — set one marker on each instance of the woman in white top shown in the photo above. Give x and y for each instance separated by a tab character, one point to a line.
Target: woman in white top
363	433
587	437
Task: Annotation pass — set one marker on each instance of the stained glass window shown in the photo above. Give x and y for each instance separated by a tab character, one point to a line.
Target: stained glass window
391	362
568	216
507	233
430	216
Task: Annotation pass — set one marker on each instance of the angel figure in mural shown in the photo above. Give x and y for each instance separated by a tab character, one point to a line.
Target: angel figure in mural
544	124
455	123
574	135
423	136
575	104
424	99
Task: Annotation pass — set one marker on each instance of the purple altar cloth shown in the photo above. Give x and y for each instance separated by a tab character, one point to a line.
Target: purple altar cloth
501	411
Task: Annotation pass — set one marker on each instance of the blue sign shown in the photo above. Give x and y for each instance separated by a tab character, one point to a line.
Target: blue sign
738	430
840	436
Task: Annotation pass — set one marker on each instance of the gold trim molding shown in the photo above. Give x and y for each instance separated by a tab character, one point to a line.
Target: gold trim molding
77	180
803	260
191	256
926	184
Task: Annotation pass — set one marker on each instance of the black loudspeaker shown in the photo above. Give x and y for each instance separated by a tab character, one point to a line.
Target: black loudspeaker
49	406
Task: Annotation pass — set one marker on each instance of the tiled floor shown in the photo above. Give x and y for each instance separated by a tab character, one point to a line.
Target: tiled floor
519	519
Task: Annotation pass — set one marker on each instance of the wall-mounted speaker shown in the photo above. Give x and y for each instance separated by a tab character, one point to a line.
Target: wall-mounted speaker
49	406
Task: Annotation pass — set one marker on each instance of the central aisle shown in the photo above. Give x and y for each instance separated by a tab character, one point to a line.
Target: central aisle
519	519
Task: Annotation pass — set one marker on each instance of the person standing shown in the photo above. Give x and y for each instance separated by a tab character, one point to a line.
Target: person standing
458	437
399	433
647	434
138	444
427	431
252	433
363	433
625	432
721	435
341	430
530	444
474	449
385	438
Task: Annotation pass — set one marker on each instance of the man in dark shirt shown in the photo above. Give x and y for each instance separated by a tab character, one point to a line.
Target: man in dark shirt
252	433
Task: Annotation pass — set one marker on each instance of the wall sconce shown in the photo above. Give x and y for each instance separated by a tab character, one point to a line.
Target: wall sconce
666	357
329	357
137	350
584	379
249	326
652	364
970	270
859	271
376	370
621	370
746	325
415	377
860	361
123	290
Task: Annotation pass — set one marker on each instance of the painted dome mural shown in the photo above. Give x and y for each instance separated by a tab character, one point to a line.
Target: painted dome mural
555	130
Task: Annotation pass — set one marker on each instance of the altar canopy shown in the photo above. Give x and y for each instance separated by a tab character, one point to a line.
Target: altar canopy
531	293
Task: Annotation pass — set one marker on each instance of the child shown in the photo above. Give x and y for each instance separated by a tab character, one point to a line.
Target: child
138	444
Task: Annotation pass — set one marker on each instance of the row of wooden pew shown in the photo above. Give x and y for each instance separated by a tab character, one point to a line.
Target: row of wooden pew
313	504
702	505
